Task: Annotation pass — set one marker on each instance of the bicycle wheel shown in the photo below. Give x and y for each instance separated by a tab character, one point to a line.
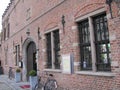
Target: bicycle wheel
39	86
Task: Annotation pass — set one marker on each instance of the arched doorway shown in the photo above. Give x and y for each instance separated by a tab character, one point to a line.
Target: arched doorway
31	57
28	57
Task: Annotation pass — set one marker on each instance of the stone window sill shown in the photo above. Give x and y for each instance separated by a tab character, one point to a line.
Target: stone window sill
53	70
107	74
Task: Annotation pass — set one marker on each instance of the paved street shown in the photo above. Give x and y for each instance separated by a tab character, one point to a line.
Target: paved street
7	84
4	86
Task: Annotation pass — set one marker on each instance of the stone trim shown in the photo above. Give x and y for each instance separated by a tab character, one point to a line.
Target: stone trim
107	74
24	59
51	30
90	14
91	29
53	70
92	39
75	44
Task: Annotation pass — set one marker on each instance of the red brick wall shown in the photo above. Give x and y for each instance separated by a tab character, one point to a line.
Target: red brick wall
47	14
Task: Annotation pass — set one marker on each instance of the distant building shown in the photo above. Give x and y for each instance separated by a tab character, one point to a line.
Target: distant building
76	40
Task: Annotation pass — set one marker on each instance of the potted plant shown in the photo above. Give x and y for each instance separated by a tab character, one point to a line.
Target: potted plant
33	79
18	75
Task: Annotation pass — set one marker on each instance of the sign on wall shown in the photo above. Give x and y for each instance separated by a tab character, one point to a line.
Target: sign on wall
67	63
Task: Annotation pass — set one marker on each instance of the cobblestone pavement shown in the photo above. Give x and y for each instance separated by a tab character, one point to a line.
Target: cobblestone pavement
7	84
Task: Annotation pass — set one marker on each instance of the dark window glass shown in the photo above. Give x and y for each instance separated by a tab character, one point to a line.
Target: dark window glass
6	56
4	33
17	54
49	54
102	43
8	33
1	36
85	48
56	49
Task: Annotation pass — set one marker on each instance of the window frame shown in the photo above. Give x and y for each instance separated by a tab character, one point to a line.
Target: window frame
53	50
90	17
100	42
6	55
17	55
85	64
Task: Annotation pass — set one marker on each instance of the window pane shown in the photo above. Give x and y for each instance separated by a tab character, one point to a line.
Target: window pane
17	54
56	49
101	29
85	49
103	58
49	55
102	43
86	58
84	32
103	48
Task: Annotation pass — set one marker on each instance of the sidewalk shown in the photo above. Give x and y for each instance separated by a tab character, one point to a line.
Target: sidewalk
7	84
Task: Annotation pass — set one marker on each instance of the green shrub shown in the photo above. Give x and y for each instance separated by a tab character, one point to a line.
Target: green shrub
32	73
18	70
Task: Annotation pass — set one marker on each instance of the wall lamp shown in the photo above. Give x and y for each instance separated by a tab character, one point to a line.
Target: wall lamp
110	8
63	22
39	36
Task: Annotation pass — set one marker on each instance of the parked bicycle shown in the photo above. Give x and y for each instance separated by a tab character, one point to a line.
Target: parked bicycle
10	73
46	82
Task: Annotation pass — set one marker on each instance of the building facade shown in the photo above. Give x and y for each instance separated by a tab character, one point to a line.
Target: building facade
75	40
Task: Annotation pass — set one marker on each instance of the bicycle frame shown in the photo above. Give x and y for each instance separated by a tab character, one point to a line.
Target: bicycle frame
46	83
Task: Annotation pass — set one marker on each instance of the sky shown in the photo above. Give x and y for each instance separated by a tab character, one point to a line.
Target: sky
3	6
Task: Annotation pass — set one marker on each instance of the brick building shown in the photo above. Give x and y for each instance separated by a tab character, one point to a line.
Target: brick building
76	40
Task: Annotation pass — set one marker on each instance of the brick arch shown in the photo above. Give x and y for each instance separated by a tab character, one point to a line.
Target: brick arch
50	26
88	8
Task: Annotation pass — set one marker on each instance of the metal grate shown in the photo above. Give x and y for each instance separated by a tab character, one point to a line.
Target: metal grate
102	43
85	48
49	54
57	49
